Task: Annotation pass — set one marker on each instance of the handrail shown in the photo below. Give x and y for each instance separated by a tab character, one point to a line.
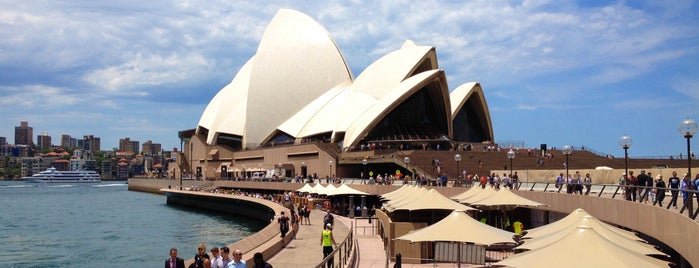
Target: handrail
343	252
627	192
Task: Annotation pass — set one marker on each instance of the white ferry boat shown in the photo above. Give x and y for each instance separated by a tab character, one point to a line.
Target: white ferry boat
52	175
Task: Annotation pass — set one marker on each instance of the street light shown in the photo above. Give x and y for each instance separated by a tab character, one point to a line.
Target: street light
567	150
364	162
626	142
457	158
406	160
688	128
511	155
330	164
280	170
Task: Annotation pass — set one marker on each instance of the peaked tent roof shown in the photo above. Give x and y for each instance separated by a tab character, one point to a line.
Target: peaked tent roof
431	199
506	198
571	220
485	193
307	188
468	193
581	247
601	229
398	192
460	227
346	190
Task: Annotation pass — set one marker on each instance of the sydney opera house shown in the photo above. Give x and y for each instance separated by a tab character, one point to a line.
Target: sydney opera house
295	106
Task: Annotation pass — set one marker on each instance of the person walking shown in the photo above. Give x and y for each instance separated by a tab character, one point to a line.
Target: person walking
328	218
237	261
200	257
674	186
216	259
259	261
327	240
588	183
283	224
660	190
174	261
225	257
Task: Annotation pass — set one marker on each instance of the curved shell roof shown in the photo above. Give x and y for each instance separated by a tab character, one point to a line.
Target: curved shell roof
296	62
298	83
219	115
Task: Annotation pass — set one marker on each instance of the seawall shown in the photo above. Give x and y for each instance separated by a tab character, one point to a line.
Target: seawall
267	240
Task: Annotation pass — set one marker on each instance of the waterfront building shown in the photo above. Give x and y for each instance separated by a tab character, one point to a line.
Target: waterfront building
127	145
43	141
8	150
68	142
150	148
24	134
89	143
35	164
107	168
298	90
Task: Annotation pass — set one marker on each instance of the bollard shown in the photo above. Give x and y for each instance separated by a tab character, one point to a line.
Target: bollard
398	261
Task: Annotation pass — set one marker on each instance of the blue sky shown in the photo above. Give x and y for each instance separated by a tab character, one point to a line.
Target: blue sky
554	72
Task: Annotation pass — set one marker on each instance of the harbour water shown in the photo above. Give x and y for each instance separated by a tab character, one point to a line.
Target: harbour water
103	225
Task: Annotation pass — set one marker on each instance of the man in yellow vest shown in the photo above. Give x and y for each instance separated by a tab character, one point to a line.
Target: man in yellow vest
327	240
518	226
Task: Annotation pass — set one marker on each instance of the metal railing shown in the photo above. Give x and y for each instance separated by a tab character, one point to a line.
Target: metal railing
372	229
343	253
632	193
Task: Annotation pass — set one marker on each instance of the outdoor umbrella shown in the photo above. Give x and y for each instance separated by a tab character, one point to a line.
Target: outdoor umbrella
571	221
460	227
590	222
468	193
504	198
346	190
581	247
307	188
430	199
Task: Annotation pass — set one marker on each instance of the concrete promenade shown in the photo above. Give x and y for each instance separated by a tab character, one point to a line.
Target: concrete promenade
305	250
640	217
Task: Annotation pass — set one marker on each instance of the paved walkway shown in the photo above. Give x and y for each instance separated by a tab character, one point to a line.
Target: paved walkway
305	251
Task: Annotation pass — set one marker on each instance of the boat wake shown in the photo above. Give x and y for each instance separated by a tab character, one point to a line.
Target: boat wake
17	186
110	185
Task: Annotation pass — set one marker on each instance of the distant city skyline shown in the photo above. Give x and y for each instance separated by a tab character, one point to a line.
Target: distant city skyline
576	73
125	143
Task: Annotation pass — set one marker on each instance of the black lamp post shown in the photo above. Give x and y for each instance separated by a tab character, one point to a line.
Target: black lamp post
688	128
457	158
330	165
511	155
626	142
364	162
567	150
406	160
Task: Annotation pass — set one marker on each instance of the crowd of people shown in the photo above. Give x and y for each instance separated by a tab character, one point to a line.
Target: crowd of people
640	188
219	258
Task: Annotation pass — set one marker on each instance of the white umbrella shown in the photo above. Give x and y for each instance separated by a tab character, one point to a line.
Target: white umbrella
460	227
581	247
346	190
307	188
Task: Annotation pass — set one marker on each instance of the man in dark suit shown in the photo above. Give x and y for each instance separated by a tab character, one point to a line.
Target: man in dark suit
174	261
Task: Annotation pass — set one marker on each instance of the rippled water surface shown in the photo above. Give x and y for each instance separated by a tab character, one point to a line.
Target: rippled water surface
103	225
